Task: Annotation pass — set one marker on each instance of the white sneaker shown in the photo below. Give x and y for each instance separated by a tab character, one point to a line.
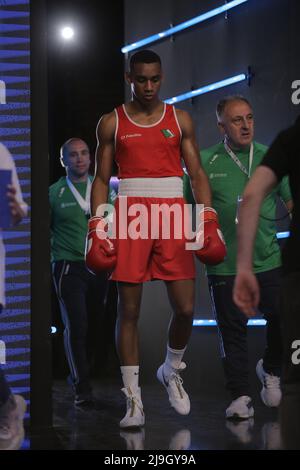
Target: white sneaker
271	392
11	423
241	408
135	413
178	397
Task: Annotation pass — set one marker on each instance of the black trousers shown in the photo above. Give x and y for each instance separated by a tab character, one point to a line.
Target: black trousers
81	297
232	327
290	305
290	404
4	387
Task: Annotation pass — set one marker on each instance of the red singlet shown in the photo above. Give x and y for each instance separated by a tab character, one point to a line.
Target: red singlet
151	151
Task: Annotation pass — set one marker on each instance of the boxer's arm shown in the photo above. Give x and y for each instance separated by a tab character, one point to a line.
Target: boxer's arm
104	159
100	253
190	154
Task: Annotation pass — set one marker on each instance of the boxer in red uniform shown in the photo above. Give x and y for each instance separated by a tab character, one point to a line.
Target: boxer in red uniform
147	138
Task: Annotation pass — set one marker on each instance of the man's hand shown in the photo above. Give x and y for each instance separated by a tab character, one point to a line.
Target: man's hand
16	211
246	292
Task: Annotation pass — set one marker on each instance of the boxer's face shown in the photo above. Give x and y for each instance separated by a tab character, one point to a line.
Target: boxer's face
237	124
145	81
77	158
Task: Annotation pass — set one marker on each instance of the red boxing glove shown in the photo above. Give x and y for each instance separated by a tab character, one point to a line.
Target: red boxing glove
100	253
213	250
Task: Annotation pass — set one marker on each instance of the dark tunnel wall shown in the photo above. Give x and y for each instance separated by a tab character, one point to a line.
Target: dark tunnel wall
261	33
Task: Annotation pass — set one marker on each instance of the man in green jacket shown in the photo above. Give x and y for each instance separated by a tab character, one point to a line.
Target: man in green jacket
81	294
229	164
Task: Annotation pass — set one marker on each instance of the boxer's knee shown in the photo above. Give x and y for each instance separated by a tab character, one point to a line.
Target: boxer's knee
129	312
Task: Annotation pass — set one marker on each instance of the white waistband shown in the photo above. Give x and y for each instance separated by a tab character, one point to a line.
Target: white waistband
151	187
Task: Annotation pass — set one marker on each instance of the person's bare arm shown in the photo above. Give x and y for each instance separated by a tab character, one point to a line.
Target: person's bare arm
246	289
260	184
104	159
190	154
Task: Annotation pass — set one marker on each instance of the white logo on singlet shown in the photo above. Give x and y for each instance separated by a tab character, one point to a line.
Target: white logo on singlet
127	136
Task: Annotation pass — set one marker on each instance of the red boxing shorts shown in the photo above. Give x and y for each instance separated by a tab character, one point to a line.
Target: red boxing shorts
150	240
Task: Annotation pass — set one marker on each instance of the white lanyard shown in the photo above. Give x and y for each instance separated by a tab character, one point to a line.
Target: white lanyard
238	161
84	203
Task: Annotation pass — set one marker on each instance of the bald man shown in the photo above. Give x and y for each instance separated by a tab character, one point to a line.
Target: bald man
81	295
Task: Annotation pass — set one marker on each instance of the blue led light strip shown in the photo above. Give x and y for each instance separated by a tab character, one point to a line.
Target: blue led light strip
14	248
13	326
254	322
10	131
281	235
10	41
12	106
15	79
182	26
16	351
16	377
7	119
14	338
15	2
14	365
13	14
7	28
10	54
16	92
7	67
207	88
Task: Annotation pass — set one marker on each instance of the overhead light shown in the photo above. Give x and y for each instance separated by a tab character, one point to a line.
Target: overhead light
186	24
67	33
